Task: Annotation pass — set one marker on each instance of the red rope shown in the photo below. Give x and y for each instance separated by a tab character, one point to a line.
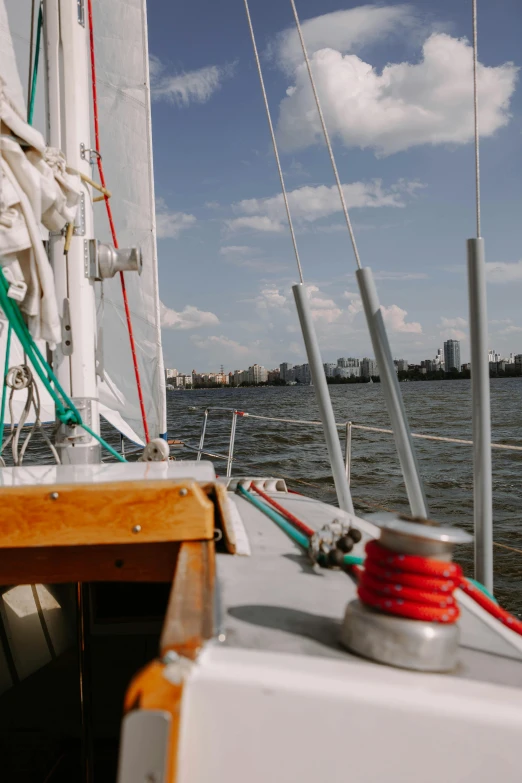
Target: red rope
408	585
420	588
296	522
111	224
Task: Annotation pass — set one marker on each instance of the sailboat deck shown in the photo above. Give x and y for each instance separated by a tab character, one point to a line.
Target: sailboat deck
275	600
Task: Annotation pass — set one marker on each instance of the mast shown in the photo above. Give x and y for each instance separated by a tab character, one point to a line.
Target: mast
66	45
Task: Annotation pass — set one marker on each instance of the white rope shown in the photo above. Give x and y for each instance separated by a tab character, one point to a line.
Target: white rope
475	112
326	136
382	430
18	378
274	143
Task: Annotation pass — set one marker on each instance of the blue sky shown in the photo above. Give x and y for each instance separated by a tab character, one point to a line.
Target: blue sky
395	81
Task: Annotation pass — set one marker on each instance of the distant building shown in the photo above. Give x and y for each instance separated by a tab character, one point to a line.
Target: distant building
518	361
347	372
302	373
286	372
452	355
329	369
170	374
369	368
401	365
273	375
257	374
348	362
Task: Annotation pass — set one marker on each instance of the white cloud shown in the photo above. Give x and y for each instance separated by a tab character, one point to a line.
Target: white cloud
171	224
342	30
235	250
220	341
395	319
383	275
451	328
189	318
188	87
256	223
511	330
322	308
311	203
269	297
355	307
407	104
501	272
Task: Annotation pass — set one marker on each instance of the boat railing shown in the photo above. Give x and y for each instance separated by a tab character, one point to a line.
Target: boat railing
347	427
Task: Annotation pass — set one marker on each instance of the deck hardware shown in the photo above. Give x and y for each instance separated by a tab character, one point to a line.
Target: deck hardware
222	637
136	529
183	492
171	656
399	641
218	534
54	495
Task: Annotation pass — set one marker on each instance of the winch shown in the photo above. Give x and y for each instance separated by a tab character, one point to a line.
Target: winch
406	614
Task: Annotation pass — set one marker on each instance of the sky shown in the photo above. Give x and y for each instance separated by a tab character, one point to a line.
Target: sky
395	82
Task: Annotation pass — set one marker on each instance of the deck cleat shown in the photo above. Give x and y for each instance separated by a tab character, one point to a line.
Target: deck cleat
406	615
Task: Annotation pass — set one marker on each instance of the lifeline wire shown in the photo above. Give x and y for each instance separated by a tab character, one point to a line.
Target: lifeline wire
475	113
326	136
274	143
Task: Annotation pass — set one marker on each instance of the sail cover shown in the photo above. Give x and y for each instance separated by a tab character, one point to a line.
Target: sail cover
122	66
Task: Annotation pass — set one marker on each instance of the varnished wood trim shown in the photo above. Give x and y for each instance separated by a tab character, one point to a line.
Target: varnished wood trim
105	563
124	512
190	614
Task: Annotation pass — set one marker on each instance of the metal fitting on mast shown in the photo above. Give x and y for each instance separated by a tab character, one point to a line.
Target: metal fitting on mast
104	260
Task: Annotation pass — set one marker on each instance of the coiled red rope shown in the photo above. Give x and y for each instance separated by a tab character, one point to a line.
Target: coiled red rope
111	224
420	588
409	585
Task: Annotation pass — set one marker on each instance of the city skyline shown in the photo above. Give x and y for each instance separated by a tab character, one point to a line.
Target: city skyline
447	358
225	258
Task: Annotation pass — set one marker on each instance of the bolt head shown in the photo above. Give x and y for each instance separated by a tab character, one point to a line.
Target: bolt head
54	495
136	529
170	657
183	492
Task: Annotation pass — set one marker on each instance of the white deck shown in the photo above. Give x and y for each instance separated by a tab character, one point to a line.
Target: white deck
276	601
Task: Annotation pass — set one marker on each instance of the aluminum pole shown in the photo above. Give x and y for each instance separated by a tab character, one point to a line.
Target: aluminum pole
482	482
392	393
324	402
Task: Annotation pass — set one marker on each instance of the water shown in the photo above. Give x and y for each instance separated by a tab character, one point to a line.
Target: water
298	453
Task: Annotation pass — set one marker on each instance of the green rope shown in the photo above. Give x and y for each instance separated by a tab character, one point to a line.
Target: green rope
4	389
66	411
30	112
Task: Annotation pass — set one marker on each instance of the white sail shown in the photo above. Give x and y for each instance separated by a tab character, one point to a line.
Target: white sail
126	145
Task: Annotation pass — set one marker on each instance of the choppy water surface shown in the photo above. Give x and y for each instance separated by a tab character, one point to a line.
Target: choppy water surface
298	452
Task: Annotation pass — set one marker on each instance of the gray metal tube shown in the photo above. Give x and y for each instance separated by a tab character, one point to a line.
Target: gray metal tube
348	452
231	444
482	483
202	436
392	394
322	395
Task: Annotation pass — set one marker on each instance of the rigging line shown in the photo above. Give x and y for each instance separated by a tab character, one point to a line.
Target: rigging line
30	112
111	224
326	136
475	114
274	143
31	40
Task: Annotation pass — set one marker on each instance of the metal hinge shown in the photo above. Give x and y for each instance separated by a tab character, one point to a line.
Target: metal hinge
67	344
80	5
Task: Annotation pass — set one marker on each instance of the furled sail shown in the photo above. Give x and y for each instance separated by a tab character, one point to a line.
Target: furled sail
120	31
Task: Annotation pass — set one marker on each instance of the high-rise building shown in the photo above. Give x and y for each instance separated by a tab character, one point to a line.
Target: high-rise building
302	373
368	367
286	371
257	374
329	369
347	372
347	362
452	355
